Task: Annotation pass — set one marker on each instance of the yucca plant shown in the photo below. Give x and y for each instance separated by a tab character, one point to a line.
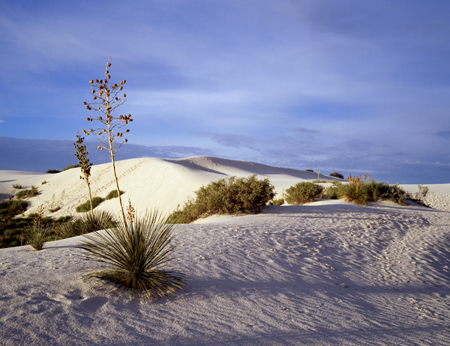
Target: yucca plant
134	258
107	98
84	164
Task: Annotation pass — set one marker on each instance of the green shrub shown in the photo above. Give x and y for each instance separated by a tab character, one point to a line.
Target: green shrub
27	193
71	166
309	170
337	175
52	171
301	193
113	194
37	237
333	192
279	201
354	192
17	186
87	205
44	182
134	258
231	196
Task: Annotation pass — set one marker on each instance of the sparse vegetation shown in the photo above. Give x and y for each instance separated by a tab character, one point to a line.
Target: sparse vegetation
309	170
226	196
17	186
52	171
71	166
44	182
354	192
419	197
278	202
89	222
27	193
134	259
106	100
86	206
301	193
113	194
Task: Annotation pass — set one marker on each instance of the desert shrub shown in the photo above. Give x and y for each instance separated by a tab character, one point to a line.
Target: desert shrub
279	201
113	194
134	258
332	192
354	192
86	206
63	219
52	171
27	193
309	170
301	193
337	175
17	186
44	182
12	207
226	196
71	166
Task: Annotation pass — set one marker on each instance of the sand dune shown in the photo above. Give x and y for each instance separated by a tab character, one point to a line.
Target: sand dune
326	273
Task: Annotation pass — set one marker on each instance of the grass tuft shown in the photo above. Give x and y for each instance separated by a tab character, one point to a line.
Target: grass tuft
27	193
134	258
113	194
86	206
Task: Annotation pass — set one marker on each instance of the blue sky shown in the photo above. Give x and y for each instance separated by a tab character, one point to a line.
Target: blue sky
347	86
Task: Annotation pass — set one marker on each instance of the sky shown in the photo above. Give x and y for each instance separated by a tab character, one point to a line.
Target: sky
349	86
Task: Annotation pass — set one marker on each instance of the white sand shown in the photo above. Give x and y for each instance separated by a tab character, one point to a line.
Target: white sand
327	273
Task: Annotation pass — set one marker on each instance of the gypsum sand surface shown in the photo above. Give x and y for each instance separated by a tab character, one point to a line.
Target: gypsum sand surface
327	273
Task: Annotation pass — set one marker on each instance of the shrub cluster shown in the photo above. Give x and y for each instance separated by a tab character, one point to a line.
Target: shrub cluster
52	171
86	206
278	202
301	193
360	193
226	196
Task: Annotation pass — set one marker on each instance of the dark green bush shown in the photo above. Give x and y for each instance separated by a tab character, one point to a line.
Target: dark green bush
301	193
309	170
231	196
71	166
333	192
27	193
113	194
17	186
53	171
12	207
337	175
87	205
354	192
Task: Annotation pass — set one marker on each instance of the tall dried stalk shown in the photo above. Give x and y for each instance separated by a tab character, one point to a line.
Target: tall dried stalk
106	100
85	166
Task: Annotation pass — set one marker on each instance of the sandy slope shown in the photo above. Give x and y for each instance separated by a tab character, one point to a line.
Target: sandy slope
327	273
147	182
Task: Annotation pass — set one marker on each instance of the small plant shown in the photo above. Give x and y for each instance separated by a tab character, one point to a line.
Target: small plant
134	259
301	193
309	170
27	193
107	99
277	202
71	166
355	179
366	177
113	194
17	186
37	233
87	206
44	182
337	175
53	171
